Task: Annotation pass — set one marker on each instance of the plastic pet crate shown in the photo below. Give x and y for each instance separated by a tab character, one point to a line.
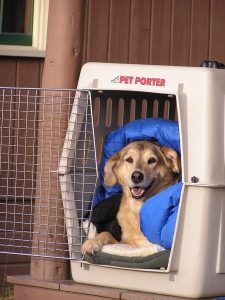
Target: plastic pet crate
195	96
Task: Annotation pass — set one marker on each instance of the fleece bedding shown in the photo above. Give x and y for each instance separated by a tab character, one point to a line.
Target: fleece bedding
158	214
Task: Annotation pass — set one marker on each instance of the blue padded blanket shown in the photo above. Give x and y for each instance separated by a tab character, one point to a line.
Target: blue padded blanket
158	214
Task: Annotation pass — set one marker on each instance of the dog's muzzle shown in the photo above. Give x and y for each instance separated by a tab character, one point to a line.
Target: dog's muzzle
137	177
138	192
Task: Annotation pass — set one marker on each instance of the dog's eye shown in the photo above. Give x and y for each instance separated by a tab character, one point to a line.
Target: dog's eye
129	160
152	160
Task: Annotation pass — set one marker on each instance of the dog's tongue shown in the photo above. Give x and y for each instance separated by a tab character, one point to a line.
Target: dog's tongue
137	191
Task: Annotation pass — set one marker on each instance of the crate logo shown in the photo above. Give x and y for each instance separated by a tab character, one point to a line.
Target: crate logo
139	80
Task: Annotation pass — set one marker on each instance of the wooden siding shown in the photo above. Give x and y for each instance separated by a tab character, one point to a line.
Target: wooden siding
164	32
16	72
20	72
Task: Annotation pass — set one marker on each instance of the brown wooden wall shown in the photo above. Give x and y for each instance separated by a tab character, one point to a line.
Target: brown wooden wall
18	72
165	32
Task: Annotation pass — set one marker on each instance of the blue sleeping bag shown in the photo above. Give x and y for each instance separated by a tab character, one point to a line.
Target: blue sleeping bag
158	214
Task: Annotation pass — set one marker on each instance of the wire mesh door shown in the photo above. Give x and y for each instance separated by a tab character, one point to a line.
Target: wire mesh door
48	170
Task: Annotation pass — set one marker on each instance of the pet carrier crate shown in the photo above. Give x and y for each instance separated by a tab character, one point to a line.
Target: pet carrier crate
195	97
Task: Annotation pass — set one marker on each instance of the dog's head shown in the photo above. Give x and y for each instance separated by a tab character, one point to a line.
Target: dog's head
142	169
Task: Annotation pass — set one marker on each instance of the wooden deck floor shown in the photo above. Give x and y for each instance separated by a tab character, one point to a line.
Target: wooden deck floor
26	288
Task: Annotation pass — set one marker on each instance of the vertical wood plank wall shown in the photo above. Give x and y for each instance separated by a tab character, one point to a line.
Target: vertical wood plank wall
164	32
18	72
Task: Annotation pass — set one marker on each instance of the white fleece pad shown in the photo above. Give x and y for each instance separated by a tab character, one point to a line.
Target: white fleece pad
131	251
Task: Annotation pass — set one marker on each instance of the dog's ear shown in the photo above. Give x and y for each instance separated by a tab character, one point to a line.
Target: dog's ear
172	158
110	177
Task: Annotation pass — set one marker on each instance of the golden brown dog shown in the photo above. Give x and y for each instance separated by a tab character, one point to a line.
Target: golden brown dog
142	169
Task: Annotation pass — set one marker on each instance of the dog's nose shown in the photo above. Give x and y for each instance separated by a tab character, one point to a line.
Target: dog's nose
137	177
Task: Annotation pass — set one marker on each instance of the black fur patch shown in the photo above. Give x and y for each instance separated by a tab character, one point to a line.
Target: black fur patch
104	216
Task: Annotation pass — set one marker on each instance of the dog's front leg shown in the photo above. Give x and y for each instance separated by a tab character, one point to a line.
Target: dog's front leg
137	239
95	244
141	240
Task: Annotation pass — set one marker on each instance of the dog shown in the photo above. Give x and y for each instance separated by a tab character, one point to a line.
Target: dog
142	169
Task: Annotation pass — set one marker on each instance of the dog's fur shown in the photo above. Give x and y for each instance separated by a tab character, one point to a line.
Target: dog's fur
142	169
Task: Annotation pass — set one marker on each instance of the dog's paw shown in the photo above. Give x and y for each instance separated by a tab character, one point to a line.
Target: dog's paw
91	246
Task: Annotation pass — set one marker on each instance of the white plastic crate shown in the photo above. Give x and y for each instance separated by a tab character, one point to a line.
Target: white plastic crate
196	97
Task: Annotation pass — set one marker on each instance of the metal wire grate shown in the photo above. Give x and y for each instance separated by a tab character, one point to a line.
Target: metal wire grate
48	170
